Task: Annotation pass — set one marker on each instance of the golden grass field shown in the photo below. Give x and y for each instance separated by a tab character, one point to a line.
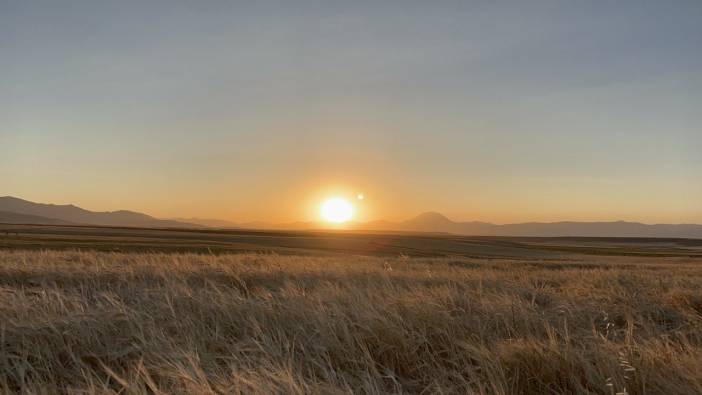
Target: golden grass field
128	323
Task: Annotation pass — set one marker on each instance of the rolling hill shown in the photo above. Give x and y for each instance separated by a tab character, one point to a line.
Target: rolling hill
7	217
435	222
41	213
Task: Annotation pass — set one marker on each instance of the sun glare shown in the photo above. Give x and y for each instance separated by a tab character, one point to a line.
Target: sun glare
336	210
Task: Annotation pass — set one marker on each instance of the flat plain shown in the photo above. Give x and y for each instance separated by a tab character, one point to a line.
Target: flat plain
328	243
145	311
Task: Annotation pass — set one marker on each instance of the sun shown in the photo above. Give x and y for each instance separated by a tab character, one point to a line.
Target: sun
336	210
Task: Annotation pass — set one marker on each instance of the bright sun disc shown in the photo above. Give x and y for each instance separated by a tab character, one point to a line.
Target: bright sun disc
336	210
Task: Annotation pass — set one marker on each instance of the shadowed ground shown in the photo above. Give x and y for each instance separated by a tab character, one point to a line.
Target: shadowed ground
330	243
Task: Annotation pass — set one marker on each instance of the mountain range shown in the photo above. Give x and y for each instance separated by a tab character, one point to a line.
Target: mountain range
435	222
15	210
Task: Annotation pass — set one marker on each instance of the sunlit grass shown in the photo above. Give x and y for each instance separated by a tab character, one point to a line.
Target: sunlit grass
140	323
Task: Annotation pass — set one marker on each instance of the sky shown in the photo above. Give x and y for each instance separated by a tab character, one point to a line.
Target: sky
482	110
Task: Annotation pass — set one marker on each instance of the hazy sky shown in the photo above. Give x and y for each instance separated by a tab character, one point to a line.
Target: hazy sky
256	110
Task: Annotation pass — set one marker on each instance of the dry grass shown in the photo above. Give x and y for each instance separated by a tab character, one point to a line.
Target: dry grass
132	323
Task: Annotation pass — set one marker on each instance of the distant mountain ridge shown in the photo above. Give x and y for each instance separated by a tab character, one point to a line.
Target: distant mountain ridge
69	213
435	222
15	210
7	217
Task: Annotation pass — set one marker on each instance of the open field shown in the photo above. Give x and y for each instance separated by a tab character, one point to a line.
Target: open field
328	243
96	322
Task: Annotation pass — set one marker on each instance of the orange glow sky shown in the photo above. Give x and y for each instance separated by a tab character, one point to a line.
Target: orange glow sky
259	111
